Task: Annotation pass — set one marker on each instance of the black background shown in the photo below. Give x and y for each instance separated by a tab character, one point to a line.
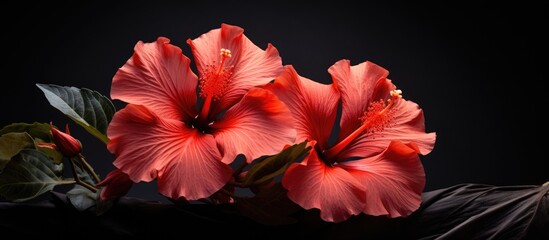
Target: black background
477	70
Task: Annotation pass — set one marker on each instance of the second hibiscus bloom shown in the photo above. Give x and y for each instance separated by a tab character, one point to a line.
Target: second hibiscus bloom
373	167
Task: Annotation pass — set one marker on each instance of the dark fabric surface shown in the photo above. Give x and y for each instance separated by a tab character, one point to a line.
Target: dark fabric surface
467	211
473	211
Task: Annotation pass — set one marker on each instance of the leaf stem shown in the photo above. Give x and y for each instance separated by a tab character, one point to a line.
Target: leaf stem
67	181
77	179
88	168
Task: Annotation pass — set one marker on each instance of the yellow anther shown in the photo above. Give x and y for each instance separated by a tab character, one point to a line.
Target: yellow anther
226	53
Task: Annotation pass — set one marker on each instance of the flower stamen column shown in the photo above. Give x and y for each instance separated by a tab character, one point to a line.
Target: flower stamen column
377	117
214	83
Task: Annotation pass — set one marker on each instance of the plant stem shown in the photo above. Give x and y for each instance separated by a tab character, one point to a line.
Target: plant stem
87	167
77	179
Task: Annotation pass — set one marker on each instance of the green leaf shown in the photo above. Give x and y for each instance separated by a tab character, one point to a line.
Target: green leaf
270	206
82	198
55	155
82	174
88	108
29	174
40	132
265	170
36	130
11	144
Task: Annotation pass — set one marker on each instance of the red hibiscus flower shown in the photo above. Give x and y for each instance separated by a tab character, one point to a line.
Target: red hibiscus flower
373	167
162	134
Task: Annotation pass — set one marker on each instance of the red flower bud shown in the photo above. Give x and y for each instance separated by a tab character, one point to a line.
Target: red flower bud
65	143
116	185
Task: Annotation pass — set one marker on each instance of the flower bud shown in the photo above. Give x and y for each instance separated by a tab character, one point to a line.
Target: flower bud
65	143
115	185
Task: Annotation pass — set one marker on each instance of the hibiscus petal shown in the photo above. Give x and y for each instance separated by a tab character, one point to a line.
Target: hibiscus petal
198	171
394	180
408	125
252	65
333	190
313	105
260	124
144	143
158	76
359	86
